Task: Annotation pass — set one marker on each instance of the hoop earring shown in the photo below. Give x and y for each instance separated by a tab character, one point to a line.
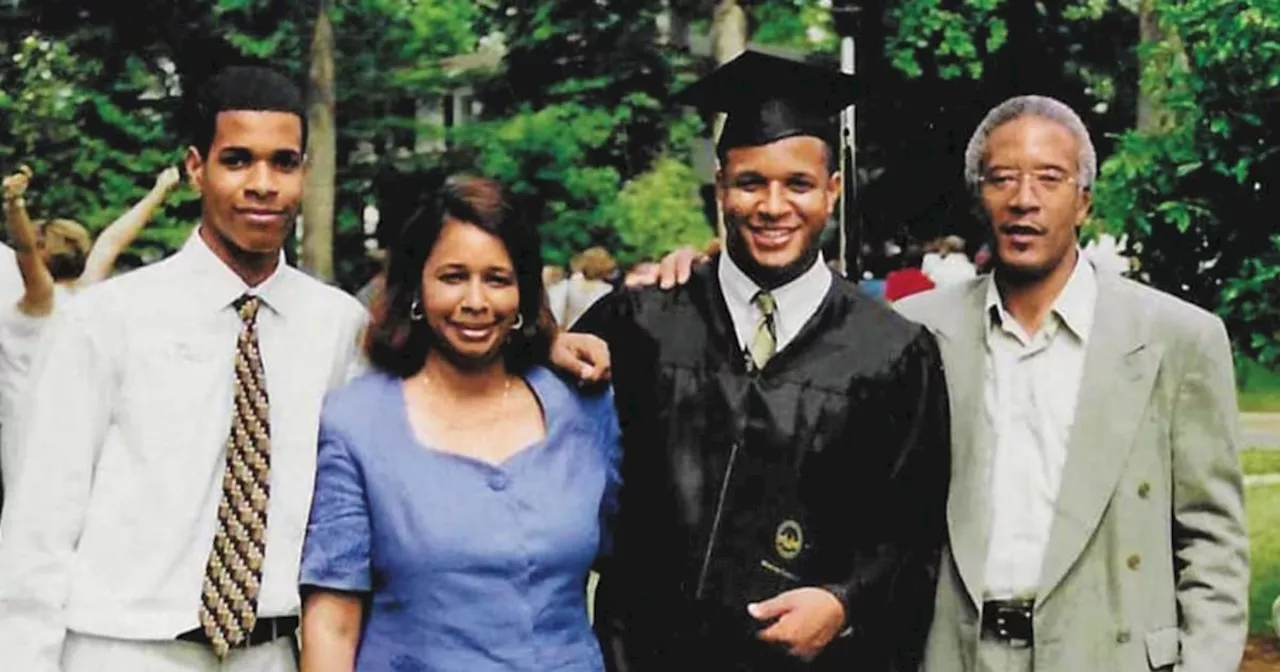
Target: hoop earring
519	323
415	311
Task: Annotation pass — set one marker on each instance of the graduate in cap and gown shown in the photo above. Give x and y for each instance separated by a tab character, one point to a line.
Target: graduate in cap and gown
785	438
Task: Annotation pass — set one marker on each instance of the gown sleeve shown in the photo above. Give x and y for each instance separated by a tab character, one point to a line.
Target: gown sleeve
609	317
889	596
336	550
610	443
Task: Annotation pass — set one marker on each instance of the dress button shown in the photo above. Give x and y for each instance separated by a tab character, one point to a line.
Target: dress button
498	482
1122	637
1134	561
1144	490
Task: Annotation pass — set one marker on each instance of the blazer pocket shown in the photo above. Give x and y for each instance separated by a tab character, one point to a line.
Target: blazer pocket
1163	647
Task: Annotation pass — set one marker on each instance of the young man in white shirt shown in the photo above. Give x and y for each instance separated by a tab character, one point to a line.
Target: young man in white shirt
175	406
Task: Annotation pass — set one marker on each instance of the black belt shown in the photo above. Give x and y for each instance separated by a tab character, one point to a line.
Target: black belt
266	630
1009	621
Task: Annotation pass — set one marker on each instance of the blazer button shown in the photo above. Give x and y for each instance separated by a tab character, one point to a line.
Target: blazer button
1122	637
1144	490
1134	561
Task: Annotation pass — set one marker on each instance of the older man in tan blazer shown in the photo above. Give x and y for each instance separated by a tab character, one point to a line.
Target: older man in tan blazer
1096	510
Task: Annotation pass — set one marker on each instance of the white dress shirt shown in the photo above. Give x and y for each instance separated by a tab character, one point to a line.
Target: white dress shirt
794	302
1030	392
111	519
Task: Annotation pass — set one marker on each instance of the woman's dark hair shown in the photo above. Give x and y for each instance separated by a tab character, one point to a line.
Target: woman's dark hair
398	344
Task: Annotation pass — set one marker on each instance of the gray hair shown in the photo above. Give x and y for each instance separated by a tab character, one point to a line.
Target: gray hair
1031	106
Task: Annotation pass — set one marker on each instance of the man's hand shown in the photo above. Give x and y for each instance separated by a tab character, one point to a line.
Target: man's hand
807	620
676	267
168	179
581	355
16	184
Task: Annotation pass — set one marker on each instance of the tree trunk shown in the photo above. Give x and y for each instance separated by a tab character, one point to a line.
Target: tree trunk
728	31
1152	116
318	199
678	29
728	40
1148	34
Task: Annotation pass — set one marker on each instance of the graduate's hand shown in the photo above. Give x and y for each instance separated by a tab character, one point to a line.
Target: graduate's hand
583	356
807	619
675	267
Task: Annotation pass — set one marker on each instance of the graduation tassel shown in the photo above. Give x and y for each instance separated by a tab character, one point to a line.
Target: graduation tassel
848	172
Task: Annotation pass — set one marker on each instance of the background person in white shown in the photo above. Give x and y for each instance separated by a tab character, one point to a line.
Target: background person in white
1096	512
56	260
110	523
10	277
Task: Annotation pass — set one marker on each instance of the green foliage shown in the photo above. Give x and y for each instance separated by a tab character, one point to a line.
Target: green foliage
957	40
1262	513
542	156
800	24
1196	195
94	107
658	212
94	149
576	118
575	112
389	58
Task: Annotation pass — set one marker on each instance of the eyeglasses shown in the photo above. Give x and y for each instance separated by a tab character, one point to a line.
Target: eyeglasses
1010	181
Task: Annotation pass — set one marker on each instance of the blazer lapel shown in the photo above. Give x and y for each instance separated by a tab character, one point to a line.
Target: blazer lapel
961	340
1119	372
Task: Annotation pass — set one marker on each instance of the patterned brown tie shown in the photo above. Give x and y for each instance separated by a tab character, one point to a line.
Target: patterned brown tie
233	576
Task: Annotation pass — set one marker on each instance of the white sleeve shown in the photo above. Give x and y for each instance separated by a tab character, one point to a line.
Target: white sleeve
62	435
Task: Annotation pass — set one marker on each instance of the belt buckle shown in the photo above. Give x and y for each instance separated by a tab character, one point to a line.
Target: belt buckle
1009	620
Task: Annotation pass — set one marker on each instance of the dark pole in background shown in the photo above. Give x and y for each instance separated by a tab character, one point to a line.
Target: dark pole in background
844	15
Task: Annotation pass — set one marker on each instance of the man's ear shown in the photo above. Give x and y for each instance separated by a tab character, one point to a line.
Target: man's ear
194	165
835	189
1082	210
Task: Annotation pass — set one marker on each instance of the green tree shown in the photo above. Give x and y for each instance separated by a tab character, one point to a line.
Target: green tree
577	109
659	211
95	143
1197	196
118	75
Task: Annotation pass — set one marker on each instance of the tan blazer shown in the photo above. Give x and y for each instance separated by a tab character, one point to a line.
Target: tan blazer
1147	566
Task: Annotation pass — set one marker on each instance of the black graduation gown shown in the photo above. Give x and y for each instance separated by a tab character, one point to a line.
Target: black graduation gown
828	467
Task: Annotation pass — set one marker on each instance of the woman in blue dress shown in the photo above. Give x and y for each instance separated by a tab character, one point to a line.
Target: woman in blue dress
462	491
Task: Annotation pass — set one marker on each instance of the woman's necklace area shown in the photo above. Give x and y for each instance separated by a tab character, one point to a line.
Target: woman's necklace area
468	421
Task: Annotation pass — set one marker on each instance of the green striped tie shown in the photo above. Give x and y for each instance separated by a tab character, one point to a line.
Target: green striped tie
765	342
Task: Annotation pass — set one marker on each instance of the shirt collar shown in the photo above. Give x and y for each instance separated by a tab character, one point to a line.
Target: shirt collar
794	302
217	286
1074	306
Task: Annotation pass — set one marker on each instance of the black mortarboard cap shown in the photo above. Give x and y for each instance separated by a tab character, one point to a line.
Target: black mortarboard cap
768	98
